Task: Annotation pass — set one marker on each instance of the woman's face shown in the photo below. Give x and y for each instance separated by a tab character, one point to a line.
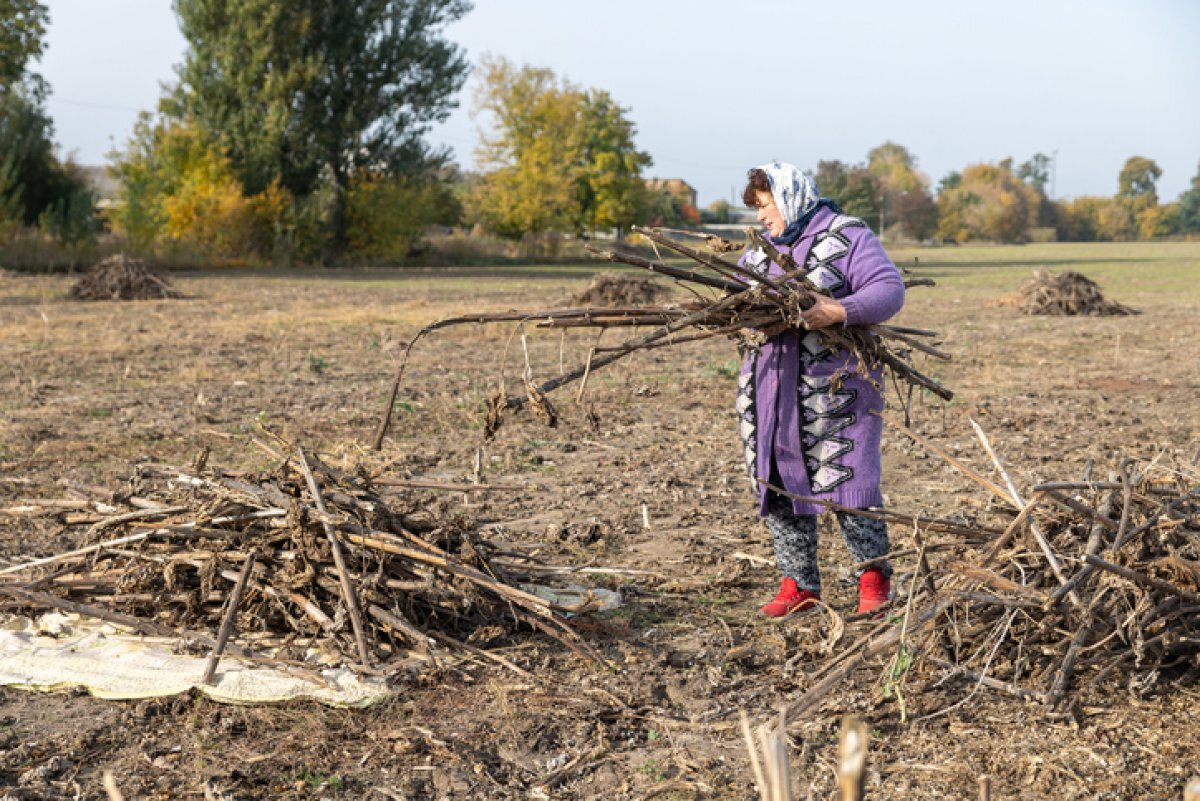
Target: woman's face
768	213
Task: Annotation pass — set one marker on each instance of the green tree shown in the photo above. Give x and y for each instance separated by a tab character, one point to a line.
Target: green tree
22	30
1137	193
855	189
36	178
559	158
70	217
389	215
35	187
1188	219
612	193
319	88
530	162
11	209
160	157
1036	172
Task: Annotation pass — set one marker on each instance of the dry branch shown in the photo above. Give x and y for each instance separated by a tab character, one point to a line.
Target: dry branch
751	300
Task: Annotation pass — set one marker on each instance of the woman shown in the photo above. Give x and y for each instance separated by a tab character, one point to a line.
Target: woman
809	411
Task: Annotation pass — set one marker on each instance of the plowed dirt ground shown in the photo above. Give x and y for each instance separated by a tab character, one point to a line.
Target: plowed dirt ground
88	390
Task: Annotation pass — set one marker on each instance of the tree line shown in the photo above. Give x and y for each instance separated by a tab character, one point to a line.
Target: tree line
296	133
37	188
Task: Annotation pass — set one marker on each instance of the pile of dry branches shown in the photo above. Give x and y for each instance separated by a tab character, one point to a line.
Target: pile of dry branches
619	289
307	555
731	301
1064	294
1091	582
122	278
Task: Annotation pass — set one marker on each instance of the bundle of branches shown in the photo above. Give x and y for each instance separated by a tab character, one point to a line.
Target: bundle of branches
731	301
122	278
305	555
1091	582
619	289
1064	294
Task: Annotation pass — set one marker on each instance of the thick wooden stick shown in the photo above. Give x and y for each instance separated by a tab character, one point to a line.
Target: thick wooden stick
142	514
1038	534
665	269
1011	531
1068	502
525	599
962	468
235	599
727	269
339	561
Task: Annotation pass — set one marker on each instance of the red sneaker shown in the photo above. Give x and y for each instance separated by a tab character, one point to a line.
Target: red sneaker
874	590
790	600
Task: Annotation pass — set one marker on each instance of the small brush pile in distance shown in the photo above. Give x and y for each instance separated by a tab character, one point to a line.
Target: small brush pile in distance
336	560
122	278
619	289
1064	294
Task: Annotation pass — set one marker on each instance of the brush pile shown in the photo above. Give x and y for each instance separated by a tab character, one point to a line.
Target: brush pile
730	300
122	278
1064	294
305	556
619	289
1092	584
1104	582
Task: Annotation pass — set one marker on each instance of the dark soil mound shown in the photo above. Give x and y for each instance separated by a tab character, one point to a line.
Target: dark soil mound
122	278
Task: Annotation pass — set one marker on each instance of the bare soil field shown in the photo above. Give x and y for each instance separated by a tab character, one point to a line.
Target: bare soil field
644	475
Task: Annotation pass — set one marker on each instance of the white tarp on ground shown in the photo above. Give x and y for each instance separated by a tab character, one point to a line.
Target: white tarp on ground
60	651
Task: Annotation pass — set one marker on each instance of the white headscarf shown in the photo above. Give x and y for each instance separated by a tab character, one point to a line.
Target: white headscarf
794	192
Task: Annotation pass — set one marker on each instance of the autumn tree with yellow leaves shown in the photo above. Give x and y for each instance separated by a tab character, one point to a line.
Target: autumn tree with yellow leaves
555	156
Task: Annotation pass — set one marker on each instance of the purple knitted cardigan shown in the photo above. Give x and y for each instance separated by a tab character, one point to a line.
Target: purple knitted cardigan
805	403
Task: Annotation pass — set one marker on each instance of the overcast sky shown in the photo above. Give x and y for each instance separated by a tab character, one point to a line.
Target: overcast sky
717	87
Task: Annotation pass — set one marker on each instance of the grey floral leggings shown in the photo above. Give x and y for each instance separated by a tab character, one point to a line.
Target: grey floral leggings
795	539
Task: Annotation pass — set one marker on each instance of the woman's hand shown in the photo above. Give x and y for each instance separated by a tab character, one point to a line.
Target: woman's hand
825	312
